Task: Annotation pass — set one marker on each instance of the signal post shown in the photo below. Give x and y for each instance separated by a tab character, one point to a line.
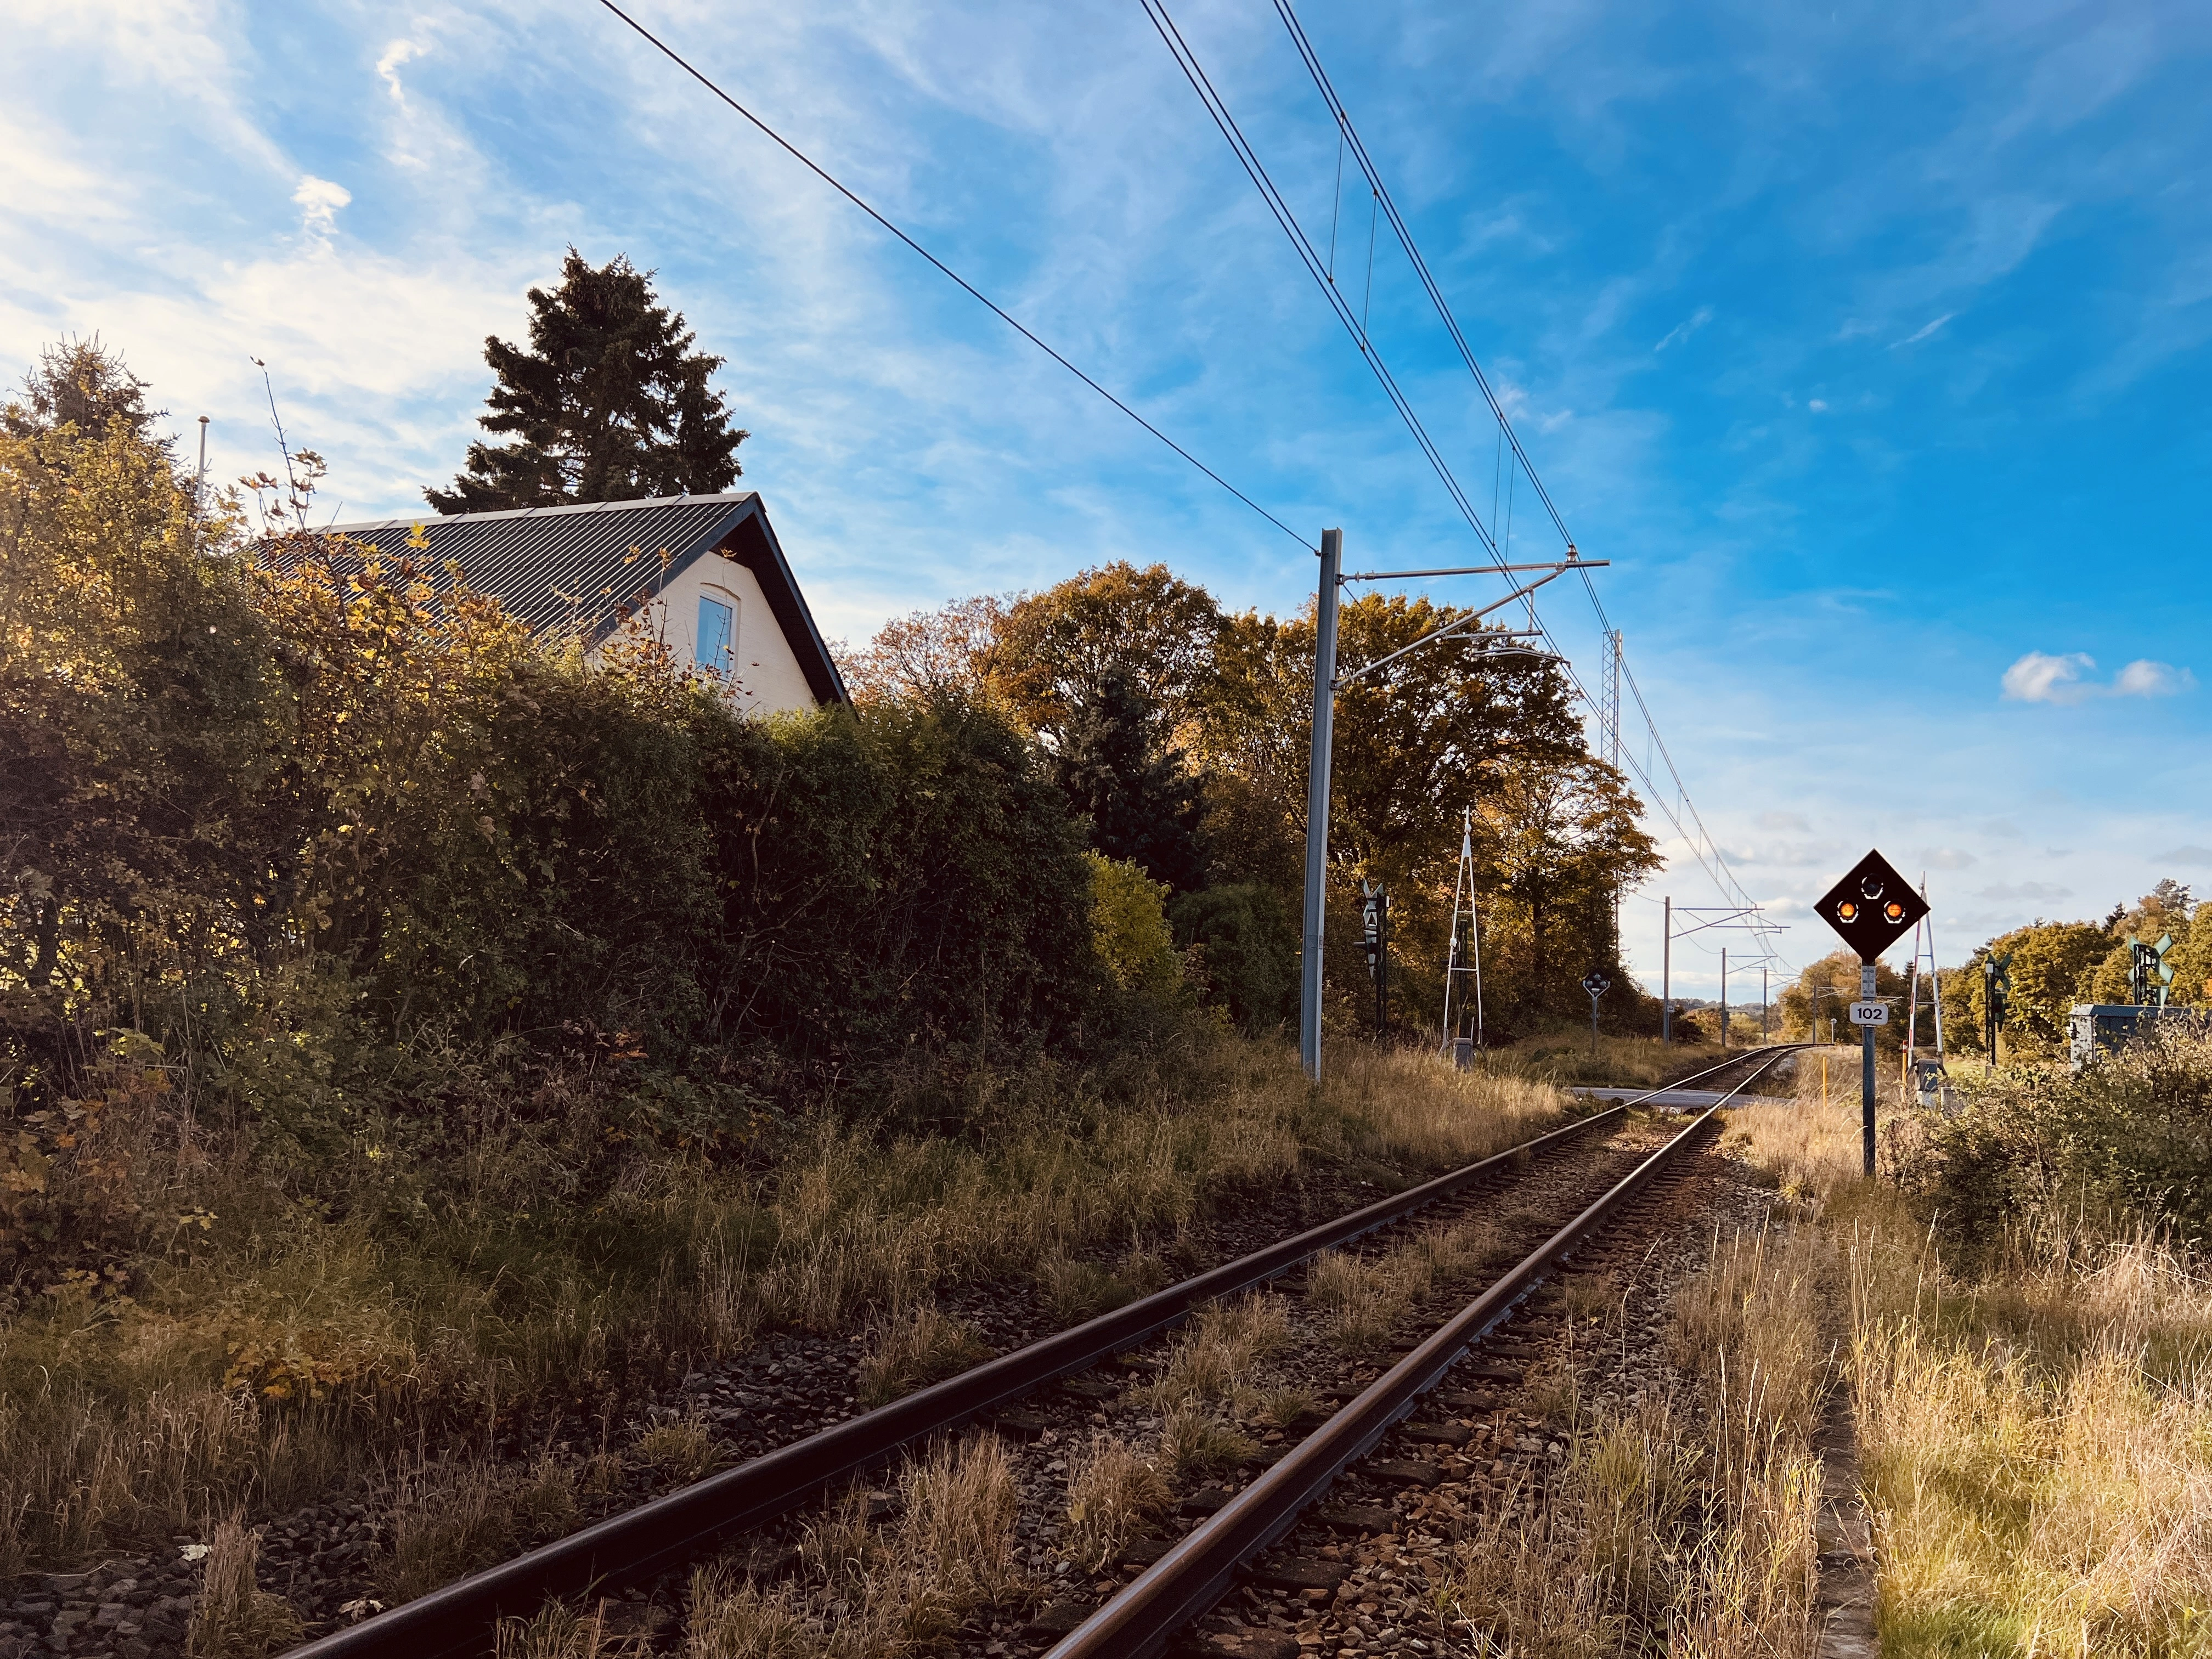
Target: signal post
1870	909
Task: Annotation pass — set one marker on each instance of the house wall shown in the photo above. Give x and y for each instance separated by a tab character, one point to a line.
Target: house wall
768	678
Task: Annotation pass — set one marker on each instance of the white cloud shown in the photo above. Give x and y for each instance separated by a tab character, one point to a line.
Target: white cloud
2039	676
2145	678
1818	405
2191	854
319	201
388	66
1683	330
1948	858
1927	329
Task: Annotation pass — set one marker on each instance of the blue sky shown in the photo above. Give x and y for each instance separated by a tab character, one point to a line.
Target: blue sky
1872	346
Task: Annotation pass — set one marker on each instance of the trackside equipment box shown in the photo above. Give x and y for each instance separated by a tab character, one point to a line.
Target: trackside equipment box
2095	1028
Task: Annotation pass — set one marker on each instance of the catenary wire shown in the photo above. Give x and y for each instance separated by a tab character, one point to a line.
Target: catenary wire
1702	845
807	161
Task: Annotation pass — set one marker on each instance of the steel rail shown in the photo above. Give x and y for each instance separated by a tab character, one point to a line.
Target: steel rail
664	1532
1194	1575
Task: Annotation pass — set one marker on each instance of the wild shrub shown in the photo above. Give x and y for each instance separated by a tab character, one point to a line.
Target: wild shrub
2125	1141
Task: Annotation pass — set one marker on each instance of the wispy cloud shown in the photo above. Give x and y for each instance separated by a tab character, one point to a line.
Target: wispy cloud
2040	676
388	66
1948	858
1683	330
2192	853
319	201
1927	329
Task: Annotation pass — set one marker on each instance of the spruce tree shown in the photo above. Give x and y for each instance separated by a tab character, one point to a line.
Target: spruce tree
80	382
1113	763
607	403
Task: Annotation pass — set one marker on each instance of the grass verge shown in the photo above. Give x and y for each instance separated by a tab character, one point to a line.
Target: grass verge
282	1352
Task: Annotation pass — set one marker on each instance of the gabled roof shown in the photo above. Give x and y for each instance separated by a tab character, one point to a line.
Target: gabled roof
585	567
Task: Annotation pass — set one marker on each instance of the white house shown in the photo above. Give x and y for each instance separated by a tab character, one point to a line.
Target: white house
705	572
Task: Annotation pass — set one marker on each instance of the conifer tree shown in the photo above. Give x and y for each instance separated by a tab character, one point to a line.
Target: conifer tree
81	383
608	402
1115	769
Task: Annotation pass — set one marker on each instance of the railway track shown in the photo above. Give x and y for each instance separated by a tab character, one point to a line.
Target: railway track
673	1531
1192	1576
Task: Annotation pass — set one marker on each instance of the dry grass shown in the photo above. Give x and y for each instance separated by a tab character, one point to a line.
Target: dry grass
682	1448
875	1592
1196	1445
2038	1447
920	1345
1113	1496
1684	1524
559	1632
1563	1058
1810	1148
233	1619
1363	1298
1215	1355
267	1362
448	1520
1080	1290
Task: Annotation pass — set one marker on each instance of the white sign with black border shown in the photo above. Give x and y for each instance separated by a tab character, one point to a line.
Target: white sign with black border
1869	1013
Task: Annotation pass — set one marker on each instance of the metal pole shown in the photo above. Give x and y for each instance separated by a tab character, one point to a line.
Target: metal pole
1324	721
1723	997
1474	936
1763	1000
1934	975
1666	968
1866	1072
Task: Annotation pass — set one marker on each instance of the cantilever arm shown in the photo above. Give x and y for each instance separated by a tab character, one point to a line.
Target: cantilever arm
1453	627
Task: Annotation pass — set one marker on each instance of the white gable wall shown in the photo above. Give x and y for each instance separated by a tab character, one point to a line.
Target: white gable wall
768	678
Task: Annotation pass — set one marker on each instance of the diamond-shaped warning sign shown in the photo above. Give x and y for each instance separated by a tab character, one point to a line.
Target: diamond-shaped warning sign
1872	908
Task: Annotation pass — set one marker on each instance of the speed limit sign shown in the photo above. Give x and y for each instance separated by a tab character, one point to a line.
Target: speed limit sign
1869	1013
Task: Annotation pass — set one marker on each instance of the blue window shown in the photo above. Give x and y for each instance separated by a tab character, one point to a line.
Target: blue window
713	652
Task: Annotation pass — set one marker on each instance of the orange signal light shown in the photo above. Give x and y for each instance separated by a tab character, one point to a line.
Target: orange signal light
1893	910
1847	911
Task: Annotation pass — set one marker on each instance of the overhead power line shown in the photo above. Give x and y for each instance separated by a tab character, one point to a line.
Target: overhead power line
1013	322
1675	805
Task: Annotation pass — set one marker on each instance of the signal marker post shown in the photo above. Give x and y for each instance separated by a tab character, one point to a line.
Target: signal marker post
1870	909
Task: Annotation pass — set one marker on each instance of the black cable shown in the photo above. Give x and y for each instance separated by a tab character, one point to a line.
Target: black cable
1187	61
676	58
1414	253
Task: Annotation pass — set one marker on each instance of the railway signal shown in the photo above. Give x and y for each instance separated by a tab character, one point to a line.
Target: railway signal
1595	985
2147	970
1374	928
1996	996
1870	909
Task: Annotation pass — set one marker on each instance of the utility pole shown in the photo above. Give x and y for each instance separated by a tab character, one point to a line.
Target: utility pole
1327	683
1666	968
1324	721
1763	1001
1724	999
